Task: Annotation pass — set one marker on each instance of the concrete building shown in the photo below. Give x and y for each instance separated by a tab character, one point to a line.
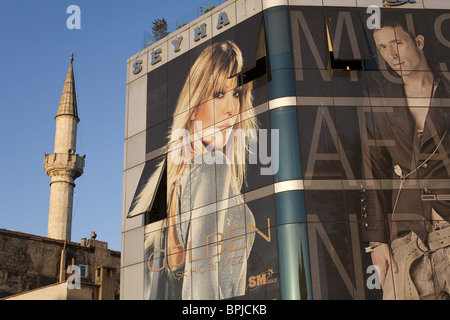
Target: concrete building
303	81
39	268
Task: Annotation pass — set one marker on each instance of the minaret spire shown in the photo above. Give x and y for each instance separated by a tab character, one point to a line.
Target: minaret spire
68	103
64	166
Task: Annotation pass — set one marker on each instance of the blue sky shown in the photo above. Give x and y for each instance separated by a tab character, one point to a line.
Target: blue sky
35	55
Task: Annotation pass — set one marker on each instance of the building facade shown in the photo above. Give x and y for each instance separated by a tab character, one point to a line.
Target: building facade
265	156
32	266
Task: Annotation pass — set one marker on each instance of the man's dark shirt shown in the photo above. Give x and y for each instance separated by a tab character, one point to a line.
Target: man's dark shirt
400	149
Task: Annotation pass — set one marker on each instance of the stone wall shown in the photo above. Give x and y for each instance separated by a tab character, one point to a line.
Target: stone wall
28	262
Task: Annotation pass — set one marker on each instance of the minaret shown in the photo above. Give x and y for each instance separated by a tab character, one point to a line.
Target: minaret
64	166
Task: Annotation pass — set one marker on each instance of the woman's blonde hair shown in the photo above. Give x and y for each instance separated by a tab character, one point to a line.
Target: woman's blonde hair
213	67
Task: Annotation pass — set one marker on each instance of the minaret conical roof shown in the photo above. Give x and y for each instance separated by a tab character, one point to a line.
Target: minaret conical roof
68	103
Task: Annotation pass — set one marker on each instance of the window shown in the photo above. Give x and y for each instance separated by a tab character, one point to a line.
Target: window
260	68
83	271
343	64
159	207
150	194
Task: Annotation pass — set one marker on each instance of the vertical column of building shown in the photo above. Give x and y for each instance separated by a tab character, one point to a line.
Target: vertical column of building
291	216
64	166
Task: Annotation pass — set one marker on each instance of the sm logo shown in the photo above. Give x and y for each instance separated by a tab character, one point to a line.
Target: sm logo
262	279
396	2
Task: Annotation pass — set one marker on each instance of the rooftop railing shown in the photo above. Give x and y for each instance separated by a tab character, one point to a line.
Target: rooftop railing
151	37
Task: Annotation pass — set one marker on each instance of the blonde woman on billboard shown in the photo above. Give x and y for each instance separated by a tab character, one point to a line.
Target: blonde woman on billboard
200	251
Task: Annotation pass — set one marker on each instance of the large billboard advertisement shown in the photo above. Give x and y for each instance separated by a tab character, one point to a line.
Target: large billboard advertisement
203	112
372	92
375	148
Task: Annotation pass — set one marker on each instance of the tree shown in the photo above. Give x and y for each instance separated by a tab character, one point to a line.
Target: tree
159	29
207	9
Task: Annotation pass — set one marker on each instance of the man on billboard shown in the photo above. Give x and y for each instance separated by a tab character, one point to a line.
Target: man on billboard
406	218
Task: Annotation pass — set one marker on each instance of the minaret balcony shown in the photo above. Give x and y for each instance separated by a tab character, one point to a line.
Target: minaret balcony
64	164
